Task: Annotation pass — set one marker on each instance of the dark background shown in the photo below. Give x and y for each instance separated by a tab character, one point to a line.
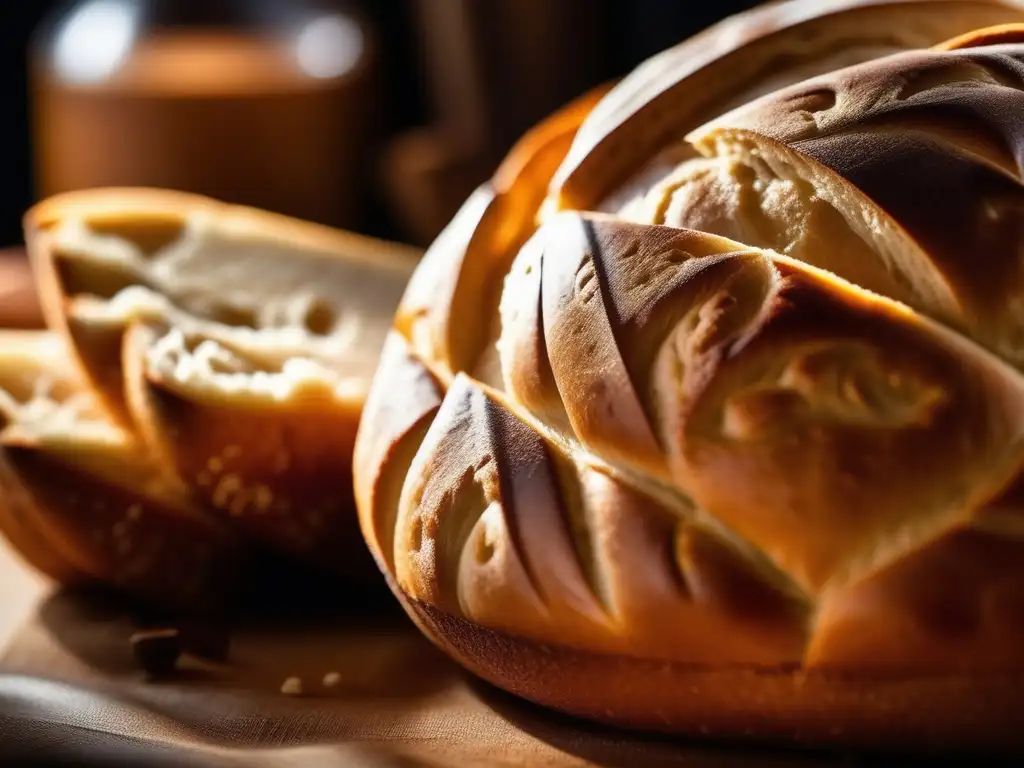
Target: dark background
640	28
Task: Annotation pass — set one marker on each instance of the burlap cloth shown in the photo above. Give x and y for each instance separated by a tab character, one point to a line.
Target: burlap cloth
71	692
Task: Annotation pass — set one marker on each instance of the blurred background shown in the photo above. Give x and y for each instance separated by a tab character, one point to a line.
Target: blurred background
378	116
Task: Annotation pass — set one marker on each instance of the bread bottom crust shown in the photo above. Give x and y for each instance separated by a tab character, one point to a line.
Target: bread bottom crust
780	707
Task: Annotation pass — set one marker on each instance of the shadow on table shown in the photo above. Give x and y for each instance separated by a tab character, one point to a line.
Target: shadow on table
371	641
610	748
401	704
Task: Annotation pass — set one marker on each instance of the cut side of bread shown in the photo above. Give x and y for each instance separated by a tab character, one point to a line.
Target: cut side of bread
213	363
262	437
106	257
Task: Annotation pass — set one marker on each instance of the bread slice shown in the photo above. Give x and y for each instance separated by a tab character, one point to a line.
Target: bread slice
82	499
235	346
261	437
105	257
26	358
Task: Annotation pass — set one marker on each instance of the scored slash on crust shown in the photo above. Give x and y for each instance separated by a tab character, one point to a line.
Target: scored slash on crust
704	438
741	58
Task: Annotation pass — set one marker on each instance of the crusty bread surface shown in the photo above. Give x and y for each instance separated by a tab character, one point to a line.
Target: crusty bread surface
707	416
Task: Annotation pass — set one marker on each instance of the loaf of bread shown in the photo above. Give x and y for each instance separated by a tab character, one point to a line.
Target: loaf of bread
706	415
192	409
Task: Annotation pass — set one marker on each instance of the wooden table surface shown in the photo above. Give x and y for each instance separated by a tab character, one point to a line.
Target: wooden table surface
21	590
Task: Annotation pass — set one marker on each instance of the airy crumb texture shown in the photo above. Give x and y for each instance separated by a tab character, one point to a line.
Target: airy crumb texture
206	366
276	290
296	292
48	417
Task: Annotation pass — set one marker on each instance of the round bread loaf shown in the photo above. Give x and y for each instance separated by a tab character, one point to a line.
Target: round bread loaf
706	415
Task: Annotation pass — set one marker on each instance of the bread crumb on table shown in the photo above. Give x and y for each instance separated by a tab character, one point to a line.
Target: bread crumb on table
292	687
157	651
332	680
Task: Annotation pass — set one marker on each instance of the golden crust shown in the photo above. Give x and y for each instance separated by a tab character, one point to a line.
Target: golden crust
21	528
389	435
943	715
702	362
742	57
501	526
466	262
936	120
716	482
89	248
145	545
